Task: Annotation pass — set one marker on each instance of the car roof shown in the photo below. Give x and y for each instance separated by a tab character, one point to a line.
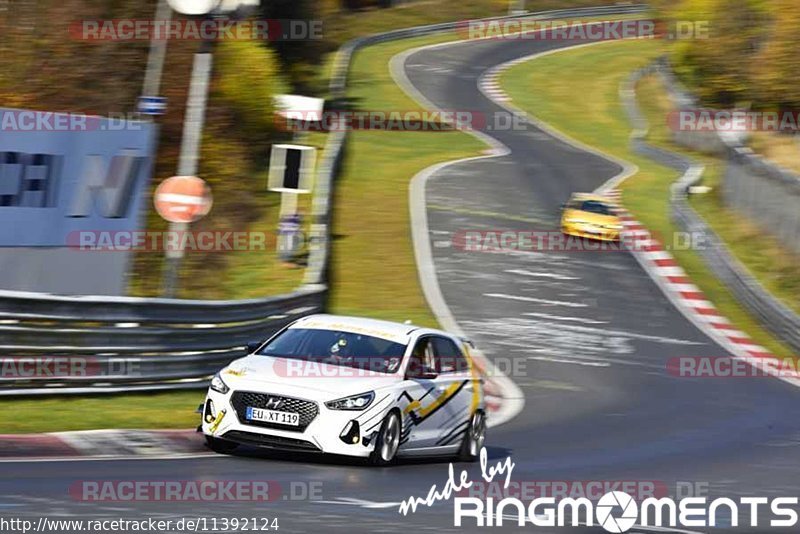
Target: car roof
592	196
397	332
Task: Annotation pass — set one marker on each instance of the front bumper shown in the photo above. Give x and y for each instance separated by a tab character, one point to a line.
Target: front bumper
589	231
321	435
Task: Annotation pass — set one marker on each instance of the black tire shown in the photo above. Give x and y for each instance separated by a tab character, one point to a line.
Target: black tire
387	442
474	438
221	446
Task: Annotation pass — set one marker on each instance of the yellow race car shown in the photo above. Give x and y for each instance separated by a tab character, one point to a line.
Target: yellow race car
591	216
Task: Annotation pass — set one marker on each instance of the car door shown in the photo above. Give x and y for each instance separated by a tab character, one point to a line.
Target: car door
456	387
419	400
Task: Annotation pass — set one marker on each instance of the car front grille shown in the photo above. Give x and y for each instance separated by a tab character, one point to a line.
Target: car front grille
307	410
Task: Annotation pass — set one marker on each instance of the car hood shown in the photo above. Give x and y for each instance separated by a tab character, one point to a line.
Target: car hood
297	378
591	218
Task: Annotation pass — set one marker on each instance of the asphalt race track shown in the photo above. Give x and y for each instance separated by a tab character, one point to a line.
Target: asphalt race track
592	332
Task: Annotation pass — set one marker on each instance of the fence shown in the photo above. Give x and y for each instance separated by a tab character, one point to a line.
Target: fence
751	185
773	314
116	344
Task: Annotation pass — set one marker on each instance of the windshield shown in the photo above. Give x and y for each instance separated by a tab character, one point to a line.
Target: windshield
336	347
595	206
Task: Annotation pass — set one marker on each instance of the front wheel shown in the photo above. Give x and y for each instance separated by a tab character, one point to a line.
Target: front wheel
387	442
474	438
221	446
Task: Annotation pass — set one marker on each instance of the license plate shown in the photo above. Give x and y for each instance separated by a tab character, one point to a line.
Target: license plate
271	416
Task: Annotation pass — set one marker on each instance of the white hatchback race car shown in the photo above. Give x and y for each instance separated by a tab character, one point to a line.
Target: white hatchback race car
350	386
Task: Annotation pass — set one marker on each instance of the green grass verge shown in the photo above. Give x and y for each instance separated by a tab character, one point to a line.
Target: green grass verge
144	410
373	267
576	91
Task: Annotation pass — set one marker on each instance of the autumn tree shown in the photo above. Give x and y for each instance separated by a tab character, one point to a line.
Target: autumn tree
776	65
720	68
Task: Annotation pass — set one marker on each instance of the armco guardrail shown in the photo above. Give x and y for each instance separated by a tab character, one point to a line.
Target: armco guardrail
766	193
108	344
773	314
140	344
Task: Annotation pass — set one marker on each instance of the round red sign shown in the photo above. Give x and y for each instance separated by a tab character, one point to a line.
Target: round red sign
183	199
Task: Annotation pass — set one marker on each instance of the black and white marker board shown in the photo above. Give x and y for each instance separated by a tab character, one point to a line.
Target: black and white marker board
291	168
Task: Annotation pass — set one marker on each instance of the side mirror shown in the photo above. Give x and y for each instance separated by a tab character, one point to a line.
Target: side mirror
252	346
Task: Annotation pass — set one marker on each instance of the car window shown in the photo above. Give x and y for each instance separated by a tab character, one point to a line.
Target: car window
595	206
449	358
337	347
422	358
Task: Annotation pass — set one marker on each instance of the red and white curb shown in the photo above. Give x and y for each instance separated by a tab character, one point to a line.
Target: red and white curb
690	300
491	87
489	82
493	387
102	444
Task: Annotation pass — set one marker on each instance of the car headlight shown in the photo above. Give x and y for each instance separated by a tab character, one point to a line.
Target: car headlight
356	402
218	385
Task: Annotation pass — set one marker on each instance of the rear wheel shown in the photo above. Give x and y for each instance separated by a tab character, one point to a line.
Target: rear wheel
219	445
387	441
474	438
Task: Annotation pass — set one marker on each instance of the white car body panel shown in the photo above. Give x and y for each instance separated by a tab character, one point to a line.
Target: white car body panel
434	412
